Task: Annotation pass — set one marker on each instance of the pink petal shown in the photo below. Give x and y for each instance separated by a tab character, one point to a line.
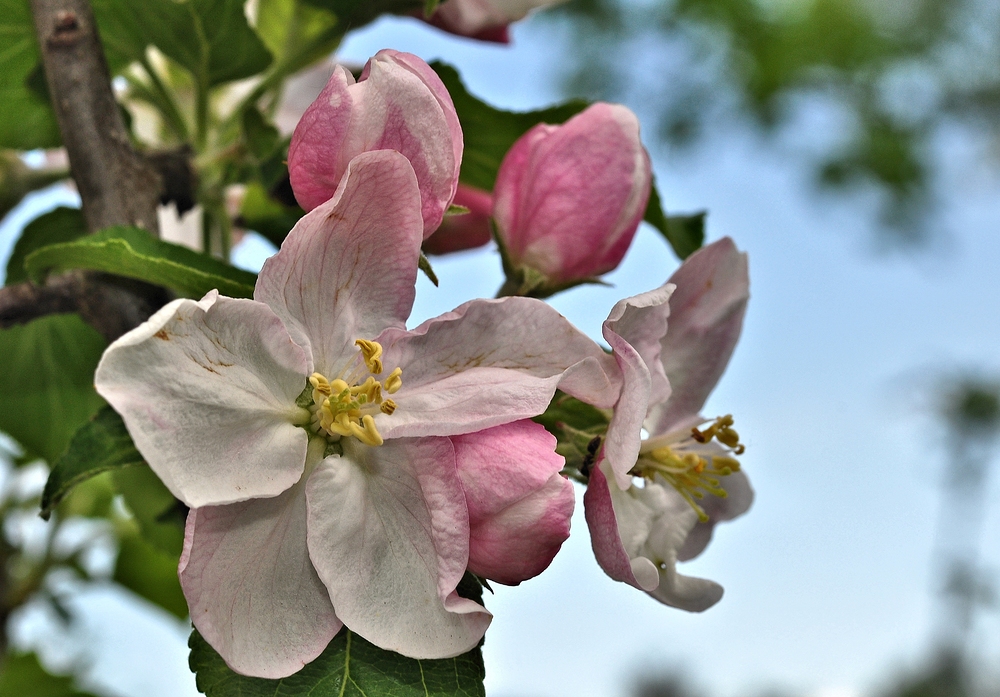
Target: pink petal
389	536
398	104
490	362
347	269
207	390
706	316
317	158
636	535
634	330
519	505
568	199
483	19
465	231
252	591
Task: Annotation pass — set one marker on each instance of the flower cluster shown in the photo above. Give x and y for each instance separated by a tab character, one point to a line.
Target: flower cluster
343	470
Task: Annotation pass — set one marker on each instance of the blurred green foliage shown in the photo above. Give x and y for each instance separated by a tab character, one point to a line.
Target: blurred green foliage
891	74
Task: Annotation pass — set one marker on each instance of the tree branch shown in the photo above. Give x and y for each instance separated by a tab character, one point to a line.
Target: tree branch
110	304
117	185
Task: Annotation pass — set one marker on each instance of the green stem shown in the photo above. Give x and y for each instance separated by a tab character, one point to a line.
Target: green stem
168	105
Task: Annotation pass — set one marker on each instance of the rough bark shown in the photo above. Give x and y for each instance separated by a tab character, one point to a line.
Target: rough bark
117	185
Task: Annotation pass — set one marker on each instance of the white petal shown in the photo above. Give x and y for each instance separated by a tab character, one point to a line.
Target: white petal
207	390
347	269
252	591
389	536
490	362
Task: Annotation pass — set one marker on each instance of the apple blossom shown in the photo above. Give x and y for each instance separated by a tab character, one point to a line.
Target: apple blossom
483	19
398	103
568	198
640	532
311	435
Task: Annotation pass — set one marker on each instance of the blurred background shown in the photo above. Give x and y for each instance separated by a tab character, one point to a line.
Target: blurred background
851	148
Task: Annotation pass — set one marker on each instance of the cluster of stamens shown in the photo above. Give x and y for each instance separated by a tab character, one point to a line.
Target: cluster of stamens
691	463
347	405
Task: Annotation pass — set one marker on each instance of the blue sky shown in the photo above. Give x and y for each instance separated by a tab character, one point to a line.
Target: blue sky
828	578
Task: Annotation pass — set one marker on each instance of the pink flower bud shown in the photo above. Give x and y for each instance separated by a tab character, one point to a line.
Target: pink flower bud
399	103
568	198
466	230
485	20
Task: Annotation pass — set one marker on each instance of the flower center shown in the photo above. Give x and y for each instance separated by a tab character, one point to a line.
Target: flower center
348	404
693	462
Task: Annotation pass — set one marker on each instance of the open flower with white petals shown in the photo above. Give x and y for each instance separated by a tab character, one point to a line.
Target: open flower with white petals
310	432
651	503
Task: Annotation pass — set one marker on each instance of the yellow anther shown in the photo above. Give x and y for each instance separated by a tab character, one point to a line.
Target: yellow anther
395	380
388	406
366	432
372	352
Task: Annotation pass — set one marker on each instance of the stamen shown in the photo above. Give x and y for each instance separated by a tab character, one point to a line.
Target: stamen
348	404
372	351
693	465
394	381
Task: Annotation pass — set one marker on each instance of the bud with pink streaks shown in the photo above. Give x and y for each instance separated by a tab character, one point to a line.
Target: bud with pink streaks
399	103
486	20
568	199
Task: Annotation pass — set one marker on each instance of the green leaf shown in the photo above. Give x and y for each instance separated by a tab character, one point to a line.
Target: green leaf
47	382
132	252
489	132
24	676
210	38
59	225
102	444
286	26
159	515
26	118
349	667
262	213
684	233
149	573
356	13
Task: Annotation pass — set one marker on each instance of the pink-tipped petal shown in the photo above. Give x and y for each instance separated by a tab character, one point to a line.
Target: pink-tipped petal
636	535
568	199
706	316
634	330
317	158
490	362
347	269
519	505
398	104
207	390
252	591
389	536
485	20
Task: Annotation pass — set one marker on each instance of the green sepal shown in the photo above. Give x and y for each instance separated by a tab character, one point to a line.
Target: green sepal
102	444
579	429
425	265
133	253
